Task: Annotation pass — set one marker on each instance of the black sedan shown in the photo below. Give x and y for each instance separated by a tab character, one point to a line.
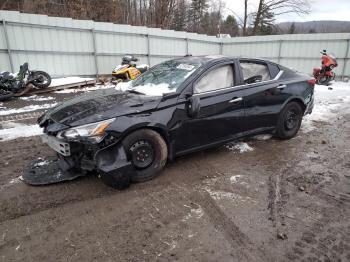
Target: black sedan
179	106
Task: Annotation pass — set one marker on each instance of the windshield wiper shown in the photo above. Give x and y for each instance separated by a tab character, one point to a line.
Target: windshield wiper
135	92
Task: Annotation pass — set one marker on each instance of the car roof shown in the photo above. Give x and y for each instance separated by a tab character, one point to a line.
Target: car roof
213	58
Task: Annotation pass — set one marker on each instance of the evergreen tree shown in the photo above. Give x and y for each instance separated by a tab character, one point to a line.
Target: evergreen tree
180	16
230	26
197	11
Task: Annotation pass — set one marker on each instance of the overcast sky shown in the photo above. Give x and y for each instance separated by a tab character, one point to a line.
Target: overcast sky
320	10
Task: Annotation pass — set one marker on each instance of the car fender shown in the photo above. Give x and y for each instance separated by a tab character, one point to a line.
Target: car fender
297	99
124	125
112	159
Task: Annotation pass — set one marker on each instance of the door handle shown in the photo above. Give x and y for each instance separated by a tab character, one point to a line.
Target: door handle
281	87
235	100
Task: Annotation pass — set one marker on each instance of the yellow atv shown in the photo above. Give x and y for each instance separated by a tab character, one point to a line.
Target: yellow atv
128	70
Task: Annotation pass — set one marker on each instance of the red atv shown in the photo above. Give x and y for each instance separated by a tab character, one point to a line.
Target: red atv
325	74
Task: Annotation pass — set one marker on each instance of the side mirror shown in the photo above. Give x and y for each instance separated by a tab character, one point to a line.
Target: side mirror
193	106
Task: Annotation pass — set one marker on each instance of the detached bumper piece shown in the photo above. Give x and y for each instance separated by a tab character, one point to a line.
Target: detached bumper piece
48	171
114	168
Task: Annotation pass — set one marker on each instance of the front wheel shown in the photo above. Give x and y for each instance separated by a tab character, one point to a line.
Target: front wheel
147	151
41	79
289	121
324	80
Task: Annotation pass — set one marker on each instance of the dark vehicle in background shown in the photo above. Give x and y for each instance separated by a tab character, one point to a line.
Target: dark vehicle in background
176	107
12	85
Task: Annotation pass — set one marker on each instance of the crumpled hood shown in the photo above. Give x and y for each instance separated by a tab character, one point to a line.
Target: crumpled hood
97	106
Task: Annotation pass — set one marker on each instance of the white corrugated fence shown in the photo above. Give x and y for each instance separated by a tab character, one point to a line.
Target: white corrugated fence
63	46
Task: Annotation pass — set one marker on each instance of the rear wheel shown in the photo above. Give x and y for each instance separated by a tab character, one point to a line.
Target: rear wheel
41	79
289	121
147	151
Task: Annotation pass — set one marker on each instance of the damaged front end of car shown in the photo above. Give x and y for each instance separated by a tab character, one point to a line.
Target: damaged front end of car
80	150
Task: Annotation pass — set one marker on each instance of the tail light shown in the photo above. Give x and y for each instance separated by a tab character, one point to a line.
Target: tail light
312	82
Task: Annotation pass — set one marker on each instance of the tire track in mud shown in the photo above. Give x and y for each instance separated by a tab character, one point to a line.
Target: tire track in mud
246	250
277	200
326	240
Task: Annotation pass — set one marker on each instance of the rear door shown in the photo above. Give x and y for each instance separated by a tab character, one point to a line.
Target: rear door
221	109
264	93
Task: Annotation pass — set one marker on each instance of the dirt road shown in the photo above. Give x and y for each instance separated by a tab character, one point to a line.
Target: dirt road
281	201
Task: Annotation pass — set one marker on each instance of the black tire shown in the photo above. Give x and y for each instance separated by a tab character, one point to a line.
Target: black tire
154	145
6	95
289	121
41	79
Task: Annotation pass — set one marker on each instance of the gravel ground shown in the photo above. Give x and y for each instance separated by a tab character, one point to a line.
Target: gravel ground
257	200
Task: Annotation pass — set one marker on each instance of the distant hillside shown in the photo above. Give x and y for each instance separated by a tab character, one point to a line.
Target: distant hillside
314	27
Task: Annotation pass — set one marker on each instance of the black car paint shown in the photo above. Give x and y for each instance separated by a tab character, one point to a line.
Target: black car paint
217	121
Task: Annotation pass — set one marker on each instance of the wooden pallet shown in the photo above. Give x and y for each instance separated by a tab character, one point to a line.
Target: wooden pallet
61	87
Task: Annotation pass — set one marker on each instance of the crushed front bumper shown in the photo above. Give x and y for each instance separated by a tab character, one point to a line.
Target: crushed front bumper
48	171
73	161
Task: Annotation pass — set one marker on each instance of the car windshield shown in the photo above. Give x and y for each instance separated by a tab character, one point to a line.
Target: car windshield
163	78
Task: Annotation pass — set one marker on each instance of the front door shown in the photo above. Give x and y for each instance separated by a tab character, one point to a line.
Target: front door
221	113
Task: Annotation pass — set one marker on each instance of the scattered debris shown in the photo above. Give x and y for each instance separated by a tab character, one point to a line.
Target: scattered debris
282	236
239	146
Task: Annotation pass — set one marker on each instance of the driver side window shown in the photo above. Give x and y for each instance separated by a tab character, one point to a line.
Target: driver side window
215	79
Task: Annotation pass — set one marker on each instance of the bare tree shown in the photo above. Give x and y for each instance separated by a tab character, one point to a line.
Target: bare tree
279	7
245	17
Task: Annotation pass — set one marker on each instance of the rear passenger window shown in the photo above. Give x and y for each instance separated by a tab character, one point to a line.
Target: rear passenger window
215	79
254	72
274	70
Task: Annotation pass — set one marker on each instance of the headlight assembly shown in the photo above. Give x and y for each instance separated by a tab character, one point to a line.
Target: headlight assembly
94	132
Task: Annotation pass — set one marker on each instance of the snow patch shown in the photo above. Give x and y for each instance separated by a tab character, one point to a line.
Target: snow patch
84	89
68	80
330	102
5	112
194	212
16	180
149	89
42	163
218	195
12	131
262	137
37	98
11	183
239	146
233	179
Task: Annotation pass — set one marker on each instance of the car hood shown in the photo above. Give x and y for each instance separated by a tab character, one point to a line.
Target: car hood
97	106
